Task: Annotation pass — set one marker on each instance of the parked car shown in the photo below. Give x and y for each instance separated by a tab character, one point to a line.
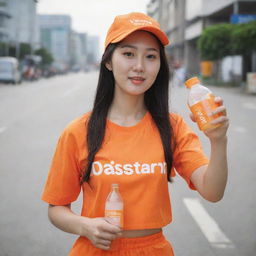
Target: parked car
9	70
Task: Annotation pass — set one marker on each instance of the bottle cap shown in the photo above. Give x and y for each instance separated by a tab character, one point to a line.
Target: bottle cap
192	81
114	185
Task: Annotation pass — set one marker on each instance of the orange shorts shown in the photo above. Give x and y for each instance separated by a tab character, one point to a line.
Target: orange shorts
153	245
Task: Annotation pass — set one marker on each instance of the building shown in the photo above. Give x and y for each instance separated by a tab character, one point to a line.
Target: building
23	24
154	9
4	17
78	50
83	40
93	50
18	22
55	36
185	20
171	16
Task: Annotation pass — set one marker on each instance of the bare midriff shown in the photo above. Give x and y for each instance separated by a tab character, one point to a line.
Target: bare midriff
140	233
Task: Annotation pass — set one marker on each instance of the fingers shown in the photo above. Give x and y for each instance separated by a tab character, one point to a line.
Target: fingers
102	246
220	110
107	236
102	233
218	100
104	242
119	234
192	117
109	227
221	119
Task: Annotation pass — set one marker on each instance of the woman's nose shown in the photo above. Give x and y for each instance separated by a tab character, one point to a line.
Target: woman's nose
138	65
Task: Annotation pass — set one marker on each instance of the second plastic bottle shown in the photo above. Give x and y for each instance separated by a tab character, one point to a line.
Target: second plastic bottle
201	102
114	207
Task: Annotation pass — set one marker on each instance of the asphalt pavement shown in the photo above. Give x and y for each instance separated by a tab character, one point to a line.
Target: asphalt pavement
32	116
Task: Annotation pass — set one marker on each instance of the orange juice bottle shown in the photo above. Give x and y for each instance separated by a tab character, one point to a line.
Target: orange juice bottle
201	103
114	207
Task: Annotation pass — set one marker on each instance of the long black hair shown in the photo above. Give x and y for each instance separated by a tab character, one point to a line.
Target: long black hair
156	101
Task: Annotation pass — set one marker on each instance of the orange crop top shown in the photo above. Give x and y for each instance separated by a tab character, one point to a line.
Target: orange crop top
133	157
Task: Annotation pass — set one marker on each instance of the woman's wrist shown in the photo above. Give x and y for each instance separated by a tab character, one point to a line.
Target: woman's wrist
219	141
81	225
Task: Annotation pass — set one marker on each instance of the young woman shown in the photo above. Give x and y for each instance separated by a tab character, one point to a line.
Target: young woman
130	138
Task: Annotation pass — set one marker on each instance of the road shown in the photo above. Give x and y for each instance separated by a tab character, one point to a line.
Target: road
32	115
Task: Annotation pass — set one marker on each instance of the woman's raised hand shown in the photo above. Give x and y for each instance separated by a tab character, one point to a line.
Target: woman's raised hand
219	132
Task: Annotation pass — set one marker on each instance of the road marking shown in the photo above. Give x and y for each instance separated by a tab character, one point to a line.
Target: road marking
240	129
249	105
2	129
207	224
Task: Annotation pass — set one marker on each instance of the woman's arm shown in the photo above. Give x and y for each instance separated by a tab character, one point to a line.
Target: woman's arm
65	219
211	180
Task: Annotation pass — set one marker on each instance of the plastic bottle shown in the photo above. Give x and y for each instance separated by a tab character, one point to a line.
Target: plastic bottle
114	206
201	103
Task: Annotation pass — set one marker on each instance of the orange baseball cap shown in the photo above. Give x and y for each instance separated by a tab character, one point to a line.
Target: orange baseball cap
124	25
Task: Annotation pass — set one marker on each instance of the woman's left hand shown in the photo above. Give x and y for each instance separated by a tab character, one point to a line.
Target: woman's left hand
219	132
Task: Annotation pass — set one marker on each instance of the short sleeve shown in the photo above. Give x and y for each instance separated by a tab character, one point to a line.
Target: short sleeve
63	182
188	154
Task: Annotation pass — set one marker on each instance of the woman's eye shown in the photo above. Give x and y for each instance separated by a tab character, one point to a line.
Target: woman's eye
128	54
151	56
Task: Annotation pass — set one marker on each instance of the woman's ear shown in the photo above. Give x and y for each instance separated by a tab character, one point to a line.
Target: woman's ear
108	66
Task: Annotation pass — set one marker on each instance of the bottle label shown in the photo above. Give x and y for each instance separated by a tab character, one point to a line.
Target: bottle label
115	217
202	112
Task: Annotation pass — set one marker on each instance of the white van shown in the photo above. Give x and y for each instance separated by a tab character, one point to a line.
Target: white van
9	70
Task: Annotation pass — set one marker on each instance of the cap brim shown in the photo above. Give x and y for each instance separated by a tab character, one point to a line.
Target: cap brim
157	32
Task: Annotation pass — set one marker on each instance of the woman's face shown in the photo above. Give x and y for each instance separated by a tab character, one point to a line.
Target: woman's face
135	63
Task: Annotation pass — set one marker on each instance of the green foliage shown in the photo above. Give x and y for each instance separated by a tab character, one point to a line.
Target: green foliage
25	49
223	40
3	49
47	58
244	38
215	41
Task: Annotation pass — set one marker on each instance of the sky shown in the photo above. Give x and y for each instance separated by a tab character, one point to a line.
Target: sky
91	16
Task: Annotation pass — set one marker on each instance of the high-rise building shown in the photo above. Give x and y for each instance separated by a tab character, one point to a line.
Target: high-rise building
18	22
55	36
83	38
76	50
23	24
93	50
4	17
83	41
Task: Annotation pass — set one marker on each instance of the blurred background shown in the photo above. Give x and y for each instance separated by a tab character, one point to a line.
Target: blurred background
215	39
50	52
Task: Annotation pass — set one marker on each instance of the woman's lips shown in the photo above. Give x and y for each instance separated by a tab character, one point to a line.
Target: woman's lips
137	80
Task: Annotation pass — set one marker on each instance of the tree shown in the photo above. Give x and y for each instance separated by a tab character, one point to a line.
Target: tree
215	41
221	40
244	43
3	49
25	49
47	58
244	38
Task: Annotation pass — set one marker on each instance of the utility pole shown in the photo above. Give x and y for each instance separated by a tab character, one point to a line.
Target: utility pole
236	7
17	25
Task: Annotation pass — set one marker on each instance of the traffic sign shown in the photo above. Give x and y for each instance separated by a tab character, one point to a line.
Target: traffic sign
242	18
